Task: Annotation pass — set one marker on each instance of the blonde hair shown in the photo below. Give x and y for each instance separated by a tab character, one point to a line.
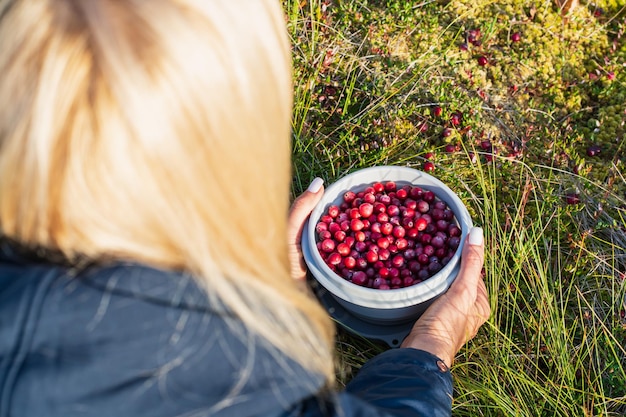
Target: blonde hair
158	131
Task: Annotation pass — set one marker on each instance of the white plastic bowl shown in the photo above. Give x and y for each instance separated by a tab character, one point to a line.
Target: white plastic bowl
384	306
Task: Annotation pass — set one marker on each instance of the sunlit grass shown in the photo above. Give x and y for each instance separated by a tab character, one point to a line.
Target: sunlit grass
367	75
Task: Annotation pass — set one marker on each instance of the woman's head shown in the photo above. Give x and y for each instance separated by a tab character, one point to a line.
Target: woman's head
158	131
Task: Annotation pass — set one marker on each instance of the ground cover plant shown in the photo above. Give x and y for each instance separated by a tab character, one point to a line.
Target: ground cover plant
521	109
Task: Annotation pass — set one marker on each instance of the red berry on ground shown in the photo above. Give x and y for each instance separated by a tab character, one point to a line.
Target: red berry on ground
482	61
473	35
594	150
572	198
437	110
516	37
455	118
429	166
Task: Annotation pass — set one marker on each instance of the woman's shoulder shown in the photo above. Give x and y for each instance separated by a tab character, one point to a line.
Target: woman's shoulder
132	337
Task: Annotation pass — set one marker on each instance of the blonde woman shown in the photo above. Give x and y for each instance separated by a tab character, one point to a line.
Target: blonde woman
149	261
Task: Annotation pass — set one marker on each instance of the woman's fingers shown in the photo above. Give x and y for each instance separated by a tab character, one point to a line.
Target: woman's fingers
299	212
466	283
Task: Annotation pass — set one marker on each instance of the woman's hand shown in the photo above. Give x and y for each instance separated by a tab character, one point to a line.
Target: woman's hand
299	212
455	317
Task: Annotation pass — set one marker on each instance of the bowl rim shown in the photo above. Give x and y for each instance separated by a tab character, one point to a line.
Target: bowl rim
375	298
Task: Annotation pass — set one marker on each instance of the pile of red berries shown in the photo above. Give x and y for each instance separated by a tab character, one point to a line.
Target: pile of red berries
388	236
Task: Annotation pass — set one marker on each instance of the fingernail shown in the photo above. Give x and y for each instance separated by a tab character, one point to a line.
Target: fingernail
315	185
475	236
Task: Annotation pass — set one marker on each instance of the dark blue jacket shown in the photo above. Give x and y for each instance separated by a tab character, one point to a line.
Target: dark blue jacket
130	340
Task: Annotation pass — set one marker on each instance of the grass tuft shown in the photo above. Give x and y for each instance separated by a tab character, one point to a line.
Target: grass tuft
368	75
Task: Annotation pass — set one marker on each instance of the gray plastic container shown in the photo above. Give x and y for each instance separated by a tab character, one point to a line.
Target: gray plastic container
384	307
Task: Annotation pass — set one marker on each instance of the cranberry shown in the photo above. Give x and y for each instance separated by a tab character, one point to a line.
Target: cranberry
366	209
349	262
594	150
454	230
334	227
378	282
349	196
456	117
356	225
371	256
369	198
572	198
454	242
423	206
397	261
473	35
339	235
333	211
482	61
382	217
393	210
516	37
402	194
429	166
421	223
343	249
408	222
399	231
383	243
361	263
378	187
437	242
434	267
359	278
334	258
321	227
416	192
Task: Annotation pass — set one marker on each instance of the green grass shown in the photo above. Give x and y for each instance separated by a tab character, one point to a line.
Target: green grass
367	76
